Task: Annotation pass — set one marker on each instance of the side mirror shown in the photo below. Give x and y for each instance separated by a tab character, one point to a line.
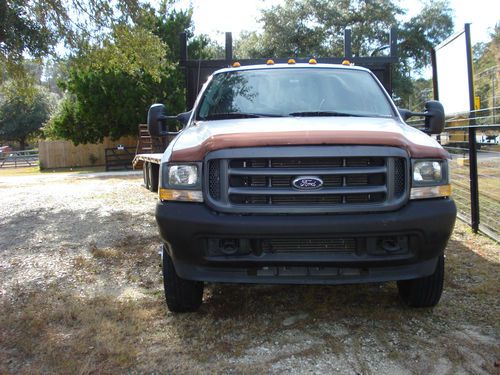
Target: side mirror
434	116
157	120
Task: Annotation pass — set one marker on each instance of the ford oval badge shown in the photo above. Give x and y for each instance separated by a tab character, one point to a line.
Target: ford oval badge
307	182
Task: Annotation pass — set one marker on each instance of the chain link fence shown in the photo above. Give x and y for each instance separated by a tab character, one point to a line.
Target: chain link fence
476	186
460	132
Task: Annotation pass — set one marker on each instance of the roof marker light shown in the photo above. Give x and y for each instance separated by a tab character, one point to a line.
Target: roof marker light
346	62
312	61
269	62
291	61
236	64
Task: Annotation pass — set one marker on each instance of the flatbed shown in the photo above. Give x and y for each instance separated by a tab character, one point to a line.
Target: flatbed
150	164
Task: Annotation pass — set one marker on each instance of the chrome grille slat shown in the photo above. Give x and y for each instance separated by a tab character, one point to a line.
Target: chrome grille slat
284	191
312	171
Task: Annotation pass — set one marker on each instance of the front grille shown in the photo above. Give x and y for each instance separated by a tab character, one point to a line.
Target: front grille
350	179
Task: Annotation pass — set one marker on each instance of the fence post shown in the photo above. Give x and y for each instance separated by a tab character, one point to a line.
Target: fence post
474	188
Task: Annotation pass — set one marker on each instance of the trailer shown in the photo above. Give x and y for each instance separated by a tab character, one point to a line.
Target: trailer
151	145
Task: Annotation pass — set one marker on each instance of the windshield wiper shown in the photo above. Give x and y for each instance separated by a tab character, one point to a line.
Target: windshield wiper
236	115
324	113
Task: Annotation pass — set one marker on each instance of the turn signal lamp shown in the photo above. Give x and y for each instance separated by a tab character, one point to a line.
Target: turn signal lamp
346	62
313	61
270	62
291	61
236	64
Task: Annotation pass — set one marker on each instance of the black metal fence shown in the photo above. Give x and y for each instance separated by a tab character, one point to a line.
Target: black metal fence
119	158
15	159
473	141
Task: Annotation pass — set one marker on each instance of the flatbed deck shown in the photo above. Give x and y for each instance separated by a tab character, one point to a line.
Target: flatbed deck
140	159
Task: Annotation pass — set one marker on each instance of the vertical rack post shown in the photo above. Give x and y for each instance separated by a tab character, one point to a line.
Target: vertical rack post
229	47
474	188
347	44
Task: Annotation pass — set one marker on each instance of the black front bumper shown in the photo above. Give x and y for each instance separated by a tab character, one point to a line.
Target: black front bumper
187	228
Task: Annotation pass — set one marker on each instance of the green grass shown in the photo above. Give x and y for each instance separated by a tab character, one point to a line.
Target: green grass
36	170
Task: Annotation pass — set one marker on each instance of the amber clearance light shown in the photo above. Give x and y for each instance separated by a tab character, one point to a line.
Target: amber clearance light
180	195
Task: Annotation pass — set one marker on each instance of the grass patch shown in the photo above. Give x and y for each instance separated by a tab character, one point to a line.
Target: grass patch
66	332
106	252
23	171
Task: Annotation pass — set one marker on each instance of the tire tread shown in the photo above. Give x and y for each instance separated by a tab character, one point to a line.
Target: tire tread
425	291
181	295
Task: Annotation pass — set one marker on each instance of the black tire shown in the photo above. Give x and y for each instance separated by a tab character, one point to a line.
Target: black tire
425	291
181	295
145	174
153	173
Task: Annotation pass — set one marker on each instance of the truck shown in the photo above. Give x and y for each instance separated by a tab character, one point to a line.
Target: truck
300	173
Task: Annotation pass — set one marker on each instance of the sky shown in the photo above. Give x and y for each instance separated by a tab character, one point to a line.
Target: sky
214	17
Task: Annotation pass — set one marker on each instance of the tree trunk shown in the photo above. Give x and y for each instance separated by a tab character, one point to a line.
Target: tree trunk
22	143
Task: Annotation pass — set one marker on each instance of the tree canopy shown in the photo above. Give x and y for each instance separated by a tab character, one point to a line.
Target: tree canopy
110	87
111	84
23	111
487	71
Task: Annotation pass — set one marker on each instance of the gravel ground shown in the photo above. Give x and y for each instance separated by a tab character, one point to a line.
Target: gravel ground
80	292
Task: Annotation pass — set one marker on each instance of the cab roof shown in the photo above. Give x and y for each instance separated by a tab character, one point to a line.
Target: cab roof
290	66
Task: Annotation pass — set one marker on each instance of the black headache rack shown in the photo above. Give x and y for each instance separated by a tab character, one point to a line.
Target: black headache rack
197	71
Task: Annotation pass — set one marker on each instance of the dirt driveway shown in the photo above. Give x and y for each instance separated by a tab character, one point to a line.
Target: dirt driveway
80	292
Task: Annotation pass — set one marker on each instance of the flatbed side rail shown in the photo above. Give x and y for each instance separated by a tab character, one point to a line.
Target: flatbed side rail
140	159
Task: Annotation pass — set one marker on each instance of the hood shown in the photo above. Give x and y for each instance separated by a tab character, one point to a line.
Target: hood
206	136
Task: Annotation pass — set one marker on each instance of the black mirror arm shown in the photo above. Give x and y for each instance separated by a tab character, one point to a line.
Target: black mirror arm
163	118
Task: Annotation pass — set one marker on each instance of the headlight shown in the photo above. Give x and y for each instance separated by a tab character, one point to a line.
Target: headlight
427	171
181	182
182	175
430	179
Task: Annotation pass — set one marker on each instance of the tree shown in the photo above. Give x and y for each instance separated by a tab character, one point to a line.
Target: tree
315	28
110	87
23	111
34	27
487	70
111	84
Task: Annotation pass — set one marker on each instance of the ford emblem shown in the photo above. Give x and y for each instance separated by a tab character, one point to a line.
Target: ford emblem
307	182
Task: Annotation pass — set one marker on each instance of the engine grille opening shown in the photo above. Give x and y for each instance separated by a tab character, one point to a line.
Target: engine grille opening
341	183
290	245
214	179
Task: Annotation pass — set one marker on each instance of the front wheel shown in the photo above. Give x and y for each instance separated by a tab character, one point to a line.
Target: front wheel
425	291
181	295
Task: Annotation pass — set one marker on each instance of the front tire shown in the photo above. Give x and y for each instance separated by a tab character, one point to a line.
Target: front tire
425	291
181	295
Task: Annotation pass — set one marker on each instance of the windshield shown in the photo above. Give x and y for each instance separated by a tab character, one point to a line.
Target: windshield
293	92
